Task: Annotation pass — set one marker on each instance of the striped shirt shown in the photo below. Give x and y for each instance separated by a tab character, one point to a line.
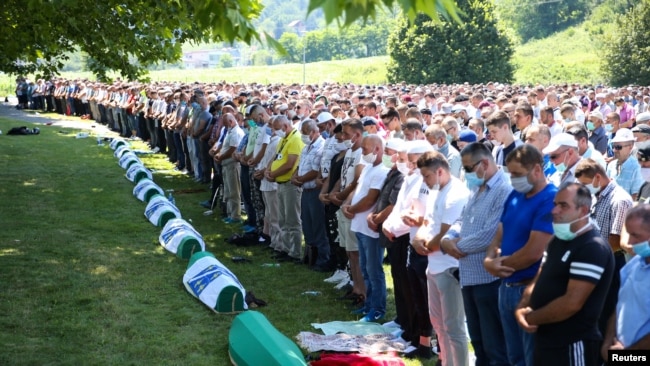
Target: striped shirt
477	226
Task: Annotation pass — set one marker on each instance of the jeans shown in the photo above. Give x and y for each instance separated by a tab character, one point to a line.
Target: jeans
520	345
448	317
371	257
313	225
481	304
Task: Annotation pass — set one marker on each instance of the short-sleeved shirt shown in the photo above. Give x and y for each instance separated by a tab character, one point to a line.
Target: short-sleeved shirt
610	209
269	155
628	175
372	177
632	317
350	161
253	135
262	139
387	197
232	139
447	206
289	145
587	257
521	216
310	159
328	153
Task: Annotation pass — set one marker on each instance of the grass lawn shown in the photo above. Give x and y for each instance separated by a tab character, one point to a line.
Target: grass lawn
84	280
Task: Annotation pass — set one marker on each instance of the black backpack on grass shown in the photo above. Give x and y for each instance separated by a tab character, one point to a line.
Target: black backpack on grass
243	240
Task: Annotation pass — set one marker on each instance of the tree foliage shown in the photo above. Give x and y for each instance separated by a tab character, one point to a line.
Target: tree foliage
36	35
450	52
541	18
627	49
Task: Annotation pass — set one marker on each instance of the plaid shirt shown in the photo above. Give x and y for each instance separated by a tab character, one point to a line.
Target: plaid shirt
612	204
477	226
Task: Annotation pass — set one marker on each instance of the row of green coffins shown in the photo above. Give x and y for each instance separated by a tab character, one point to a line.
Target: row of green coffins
252	339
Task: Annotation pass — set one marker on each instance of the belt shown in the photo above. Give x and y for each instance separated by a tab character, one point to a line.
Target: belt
520	283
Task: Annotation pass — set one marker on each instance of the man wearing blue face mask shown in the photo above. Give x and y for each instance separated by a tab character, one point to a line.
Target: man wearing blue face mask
562	305
518	246
597	133
629	327
563	152
467	240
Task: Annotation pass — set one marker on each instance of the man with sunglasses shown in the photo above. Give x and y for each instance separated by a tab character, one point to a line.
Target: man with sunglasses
468	240
626	171
563	152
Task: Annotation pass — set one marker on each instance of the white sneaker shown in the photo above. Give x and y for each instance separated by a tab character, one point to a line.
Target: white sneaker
343	283
337	277
155	149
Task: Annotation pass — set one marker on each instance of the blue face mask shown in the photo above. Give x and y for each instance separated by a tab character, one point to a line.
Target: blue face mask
642	249
590	126
251	123
325	134
450	138
609	128
473	181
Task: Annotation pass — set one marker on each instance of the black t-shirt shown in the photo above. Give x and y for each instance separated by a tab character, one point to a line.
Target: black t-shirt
644	193
589	258
336	165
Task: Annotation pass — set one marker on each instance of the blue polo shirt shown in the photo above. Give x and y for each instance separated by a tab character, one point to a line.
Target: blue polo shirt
520	216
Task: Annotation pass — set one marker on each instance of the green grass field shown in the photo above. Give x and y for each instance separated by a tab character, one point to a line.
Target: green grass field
85	282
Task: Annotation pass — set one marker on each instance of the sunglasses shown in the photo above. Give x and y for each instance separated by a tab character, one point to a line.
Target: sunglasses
555	156
620	147
469	169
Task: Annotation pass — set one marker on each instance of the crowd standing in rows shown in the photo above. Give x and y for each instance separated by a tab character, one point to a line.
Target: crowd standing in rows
522	211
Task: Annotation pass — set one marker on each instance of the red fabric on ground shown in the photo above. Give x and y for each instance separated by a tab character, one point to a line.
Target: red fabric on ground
353	359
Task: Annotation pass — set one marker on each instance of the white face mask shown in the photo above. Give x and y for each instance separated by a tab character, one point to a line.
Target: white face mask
403	168
280	133
305	139
340	146
370	158
348	143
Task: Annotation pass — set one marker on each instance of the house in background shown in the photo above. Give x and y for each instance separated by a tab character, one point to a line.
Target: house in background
208	59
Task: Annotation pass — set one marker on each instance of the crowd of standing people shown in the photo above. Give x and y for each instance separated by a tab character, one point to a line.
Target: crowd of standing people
521	211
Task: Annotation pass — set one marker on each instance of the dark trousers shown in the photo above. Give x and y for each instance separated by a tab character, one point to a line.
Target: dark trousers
205	160
481	304
171	145
180	154
404	306
246	195
417	277
338	255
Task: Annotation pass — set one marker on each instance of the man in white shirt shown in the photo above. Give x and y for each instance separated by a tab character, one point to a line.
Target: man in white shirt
444	207
357	208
